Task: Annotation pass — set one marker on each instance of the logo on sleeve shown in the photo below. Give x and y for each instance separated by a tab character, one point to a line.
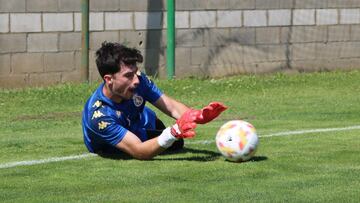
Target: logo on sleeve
103	125
138	100
97	104
97	114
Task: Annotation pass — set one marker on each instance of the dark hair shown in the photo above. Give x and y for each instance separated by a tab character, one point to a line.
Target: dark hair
110	55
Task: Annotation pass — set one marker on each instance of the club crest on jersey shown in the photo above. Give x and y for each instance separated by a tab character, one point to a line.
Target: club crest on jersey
118	113
138	100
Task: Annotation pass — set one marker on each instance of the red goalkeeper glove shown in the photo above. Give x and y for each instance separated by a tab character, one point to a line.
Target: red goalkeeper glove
185	125
210	112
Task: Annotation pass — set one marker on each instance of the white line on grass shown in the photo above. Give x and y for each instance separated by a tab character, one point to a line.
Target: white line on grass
286	133
57	159
43	161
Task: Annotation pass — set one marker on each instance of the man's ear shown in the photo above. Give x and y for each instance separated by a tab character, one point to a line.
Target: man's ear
108	79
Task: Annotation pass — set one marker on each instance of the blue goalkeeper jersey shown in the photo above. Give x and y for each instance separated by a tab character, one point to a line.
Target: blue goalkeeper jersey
105	122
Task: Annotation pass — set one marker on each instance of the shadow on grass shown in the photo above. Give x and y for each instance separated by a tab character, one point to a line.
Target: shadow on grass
254	159
196	155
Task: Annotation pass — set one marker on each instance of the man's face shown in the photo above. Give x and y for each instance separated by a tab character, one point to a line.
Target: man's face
123	83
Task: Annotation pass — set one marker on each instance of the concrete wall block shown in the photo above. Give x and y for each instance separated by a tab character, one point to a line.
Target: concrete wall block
77	22
255	18
225	70
151	39
104	5
300	34
119	21
59	62
14	81
268	35
306	4
73	76
281	17
303	51
231	55
355	32
286	4
229	18
43	79
202	19
304	17
350	50
217	37
69	5
278	52
266	67
96	21
5	64
79	74
97	38
255	54
136	39
12	6
25	22
338	33
217	4
314	65
70	41
190	5
285	35
12	43
328	51
41	5
181	19
243	4
58	22
349	16
343	3
188	71
42	42
200	55
326	16
148	20
183	54
242	36
4	22
27	63
342	64
95	77
154	59
142	5
267	4
189	37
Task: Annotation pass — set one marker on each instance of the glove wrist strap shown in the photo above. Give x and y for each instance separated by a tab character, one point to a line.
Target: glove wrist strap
166	139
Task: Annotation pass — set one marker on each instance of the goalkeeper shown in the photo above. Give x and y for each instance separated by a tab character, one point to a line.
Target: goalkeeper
115	118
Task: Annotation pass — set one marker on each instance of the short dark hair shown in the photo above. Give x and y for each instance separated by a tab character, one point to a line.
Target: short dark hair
110	55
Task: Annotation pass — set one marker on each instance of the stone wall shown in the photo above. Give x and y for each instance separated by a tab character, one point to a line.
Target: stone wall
40	40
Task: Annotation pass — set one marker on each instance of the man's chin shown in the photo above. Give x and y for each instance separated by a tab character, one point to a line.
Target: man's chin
129	95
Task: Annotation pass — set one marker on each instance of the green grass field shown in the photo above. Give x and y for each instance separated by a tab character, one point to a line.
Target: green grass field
41	123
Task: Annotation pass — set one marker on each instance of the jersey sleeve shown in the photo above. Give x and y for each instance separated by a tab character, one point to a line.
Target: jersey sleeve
151	91
106	128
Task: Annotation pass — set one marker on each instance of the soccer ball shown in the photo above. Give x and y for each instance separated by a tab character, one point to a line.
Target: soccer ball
237	140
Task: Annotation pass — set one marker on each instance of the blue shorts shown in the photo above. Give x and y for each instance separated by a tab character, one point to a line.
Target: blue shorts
147	122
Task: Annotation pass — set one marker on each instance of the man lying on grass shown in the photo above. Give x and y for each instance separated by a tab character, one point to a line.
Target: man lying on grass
115	118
